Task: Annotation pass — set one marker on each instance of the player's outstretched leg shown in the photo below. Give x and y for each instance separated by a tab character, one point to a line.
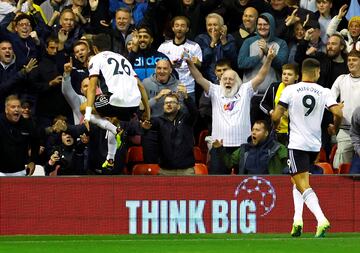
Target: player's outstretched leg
312	202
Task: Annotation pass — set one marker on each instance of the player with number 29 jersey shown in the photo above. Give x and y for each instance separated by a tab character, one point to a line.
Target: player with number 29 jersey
306	103
119	76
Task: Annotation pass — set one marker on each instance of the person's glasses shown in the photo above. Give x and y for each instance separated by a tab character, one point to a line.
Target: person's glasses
23	24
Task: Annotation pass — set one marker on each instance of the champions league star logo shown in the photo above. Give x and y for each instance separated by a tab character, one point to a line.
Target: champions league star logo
260	191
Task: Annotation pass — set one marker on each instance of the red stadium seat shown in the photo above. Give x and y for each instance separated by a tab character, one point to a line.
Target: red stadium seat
322	156
332	154
203	145
135	155
344	168
198	155
201	169
201	142
146	169
327	168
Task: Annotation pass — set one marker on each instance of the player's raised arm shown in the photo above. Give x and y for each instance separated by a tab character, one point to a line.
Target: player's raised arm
90	95
205	84
144	99
260	77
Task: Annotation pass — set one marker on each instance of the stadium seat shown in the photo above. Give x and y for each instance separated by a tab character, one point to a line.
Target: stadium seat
344	168
135	155
201	142
146	169
198	155
203	145
327	168
322	156
200	169
332	154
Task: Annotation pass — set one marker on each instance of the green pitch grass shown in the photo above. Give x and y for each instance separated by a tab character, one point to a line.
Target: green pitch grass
222	243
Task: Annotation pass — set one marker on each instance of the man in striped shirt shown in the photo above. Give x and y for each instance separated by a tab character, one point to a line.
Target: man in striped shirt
230	107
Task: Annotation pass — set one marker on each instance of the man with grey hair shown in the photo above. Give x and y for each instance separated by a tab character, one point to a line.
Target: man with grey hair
17	134
215	45
231	107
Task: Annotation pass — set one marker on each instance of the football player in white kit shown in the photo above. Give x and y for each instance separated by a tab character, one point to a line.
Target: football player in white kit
121	90
305	102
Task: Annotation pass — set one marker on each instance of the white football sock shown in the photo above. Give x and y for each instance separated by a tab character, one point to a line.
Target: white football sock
298	205
103	123
111	146
312	202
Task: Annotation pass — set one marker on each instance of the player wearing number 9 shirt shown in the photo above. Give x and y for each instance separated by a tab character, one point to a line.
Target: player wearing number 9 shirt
306	102
121	90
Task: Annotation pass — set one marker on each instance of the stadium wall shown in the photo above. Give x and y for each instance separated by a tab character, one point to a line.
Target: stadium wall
153	205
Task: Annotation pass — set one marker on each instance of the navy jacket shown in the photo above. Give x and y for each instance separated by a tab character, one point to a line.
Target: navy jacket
176	138
15	141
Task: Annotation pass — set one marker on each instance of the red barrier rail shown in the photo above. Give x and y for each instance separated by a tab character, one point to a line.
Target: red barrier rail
140	205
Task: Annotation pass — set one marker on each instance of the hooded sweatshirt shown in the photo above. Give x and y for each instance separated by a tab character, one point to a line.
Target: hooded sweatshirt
250	61
153	87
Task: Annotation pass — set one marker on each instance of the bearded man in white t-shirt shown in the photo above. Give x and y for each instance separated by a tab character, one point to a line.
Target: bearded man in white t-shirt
230	108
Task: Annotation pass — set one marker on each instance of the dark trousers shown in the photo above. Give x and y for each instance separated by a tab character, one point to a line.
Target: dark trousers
217	165
355	164
150	144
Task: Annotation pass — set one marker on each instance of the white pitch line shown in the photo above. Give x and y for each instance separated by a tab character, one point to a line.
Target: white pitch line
155	240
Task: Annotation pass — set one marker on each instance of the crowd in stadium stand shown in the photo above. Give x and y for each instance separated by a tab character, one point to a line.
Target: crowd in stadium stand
208	66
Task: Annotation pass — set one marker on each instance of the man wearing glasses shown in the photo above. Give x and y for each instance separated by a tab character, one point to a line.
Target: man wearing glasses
175	135
25	41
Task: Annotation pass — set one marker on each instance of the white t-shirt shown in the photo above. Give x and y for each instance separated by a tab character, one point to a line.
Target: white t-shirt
348	89
174	52
231	116
119	76
309	5
306	103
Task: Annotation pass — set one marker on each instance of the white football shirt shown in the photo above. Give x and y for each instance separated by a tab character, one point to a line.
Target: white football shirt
119	76
174	52
231	116
348	89
306	103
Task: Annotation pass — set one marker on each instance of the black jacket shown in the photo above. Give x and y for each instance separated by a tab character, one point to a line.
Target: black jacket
176	138
51	102
329	70
268	102
232	11
11	81
15	141
71	160
118	41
